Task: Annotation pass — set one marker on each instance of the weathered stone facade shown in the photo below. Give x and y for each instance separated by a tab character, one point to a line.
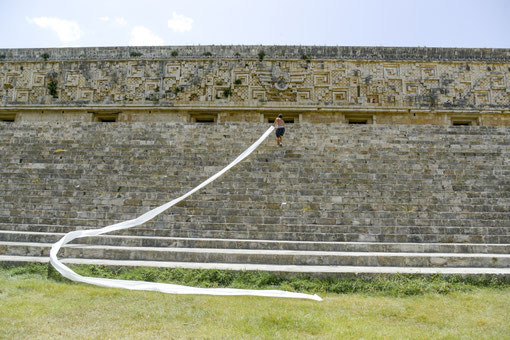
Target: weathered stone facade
253	83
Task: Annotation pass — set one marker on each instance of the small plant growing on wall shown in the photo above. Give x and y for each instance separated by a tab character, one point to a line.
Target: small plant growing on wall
174	54
45	56
238	82
52	87
262	54
227	92
135	54
178	89
306	58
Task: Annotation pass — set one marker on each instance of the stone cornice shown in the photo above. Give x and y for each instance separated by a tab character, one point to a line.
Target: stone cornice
252	51
239	108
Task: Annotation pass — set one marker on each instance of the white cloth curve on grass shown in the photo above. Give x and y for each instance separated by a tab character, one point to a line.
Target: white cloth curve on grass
155	286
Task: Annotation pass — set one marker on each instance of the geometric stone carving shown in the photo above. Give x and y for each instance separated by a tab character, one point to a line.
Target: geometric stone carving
173	71
86	94
391	70
304	94
37	79
340	95
498	81
22	95
428	72
73	79
482	97
321	79
258	94
191	80
136	70
412	88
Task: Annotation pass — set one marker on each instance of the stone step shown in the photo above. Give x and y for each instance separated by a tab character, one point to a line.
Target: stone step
162	132
266	206
242	225
343	169
330	200
428	198
294	146
434	178
290	162
337	237
492	223
369	171
349	178
282	270
197	155
359	214
341	233
179	242
200	153
167	221
272	257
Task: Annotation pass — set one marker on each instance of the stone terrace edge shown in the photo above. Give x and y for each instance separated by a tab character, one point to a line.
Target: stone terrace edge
252	51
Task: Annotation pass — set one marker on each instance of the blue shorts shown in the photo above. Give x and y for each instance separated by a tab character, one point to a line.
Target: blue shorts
280	131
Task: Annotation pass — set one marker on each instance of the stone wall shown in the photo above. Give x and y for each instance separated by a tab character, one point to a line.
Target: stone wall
253	83
340	183
334	199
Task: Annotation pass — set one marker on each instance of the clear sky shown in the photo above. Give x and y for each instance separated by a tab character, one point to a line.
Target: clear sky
431	23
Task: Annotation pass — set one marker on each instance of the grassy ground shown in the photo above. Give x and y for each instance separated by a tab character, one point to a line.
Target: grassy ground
35	306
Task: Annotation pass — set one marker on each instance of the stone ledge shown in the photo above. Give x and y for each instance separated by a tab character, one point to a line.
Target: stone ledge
252	51
283	270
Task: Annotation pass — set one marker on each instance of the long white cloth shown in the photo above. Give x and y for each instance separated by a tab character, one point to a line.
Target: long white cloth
163	287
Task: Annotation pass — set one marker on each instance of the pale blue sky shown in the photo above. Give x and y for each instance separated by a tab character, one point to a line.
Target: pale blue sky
431	23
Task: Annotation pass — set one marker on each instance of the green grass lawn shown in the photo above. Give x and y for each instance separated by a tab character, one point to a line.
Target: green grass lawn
35	306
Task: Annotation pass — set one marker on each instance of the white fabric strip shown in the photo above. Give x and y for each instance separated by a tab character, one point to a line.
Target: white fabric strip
163	287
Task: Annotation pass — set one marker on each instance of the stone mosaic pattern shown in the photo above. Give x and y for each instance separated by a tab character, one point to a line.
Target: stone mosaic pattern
248	81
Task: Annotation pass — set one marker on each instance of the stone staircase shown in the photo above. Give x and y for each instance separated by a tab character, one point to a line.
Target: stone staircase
335	200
